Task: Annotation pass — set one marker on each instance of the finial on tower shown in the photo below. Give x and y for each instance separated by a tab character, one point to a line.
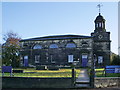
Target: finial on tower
99	6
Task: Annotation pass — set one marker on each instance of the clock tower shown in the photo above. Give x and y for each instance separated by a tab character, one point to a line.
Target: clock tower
101	38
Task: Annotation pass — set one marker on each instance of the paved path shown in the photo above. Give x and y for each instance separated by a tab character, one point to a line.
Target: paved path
83	79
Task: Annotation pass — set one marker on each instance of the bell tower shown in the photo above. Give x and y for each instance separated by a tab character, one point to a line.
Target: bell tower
101	38
99	24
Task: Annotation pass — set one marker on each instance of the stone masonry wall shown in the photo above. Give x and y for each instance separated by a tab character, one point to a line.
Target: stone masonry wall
60	54
103	82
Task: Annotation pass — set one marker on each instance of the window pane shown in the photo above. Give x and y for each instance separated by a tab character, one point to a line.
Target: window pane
99	24
53	46
70	58
70	45
37	58
100	59
37	47
84	56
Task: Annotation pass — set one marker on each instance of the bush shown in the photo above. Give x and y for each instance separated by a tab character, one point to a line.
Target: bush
53	68
116	60
41	67
17	71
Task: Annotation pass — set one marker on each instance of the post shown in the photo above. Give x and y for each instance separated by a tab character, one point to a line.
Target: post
92	72
105	72
73	76
73	73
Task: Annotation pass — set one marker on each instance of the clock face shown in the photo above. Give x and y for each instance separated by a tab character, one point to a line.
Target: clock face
100	36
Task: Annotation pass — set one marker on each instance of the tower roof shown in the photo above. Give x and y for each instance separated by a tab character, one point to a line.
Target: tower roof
99	18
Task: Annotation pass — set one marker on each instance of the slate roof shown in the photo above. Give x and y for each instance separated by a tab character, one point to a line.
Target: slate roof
56	37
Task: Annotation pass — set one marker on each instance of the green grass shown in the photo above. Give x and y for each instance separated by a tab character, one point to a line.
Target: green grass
31	72
100	73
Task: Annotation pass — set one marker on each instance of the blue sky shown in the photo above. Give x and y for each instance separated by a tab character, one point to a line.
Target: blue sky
36	19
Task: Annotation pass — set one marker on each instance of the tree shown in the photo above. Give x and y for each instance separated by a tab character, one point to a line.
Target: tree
10	49
116	60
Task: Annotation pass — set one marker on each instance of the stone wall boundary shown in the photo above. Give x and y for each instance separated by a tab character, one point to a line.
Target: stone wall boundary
104	82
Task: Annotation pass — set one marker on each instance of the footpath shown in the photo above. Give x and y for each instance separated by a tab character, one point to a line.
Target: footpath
83	80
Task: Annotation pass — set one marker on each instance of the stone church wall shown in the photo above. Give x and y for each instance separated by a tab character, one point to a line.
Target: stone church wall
59	55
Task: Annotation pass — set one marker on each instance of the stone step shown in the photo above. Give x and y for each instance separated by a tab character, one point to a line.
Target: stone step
82	86
83	82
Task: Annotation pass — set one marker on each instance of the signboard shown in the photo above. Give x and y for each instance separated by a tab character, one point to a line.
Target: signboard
7	69
112	69
117	70
70	58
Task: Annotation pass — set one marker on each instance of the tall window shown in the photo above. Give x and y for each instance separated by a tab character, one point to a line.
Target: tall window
70	58
100	24
100	59
26	60
70	45
97	25
53	46
37	58
37	46
52	59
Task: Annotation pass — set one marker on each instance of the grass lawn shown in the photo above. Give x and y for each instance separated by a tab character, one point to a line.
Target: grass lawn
100	73
31	72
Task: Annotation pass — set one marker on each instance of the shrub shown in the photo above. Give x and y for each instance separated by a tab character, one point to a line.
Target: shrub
41	67
116	60
53	68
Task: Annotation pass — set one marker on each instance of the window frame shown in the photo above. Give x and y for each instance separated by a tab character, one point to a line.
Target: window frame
69	46
36	46
37	58
52	46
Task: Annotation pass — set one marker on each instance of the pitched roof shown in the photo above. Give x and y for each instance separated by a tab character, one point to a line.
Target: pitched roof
56	37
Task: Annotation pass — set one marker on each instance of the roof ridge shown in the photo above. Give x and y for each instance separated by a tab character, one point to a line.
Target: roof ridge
57	37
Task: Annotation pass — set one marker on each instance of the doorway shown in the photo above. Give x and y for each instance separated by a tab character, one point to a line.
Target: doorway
25	61
84	60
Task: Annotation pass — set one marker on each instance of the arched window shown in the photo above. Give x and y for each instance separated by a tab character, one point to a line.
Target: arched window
100	24
70	45
97	25
53	46
37	46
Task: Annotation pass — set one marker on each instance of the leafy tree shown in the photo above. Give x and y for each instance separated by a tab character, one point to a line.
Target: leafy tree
112	56
10	49
116	60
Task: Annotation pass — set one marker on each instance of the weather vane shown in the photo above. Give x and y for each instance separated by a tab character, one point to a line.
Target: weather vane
99	6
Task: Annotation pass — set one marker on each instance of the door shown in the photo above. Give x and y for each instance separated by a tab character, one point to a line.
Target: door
84	60
25	61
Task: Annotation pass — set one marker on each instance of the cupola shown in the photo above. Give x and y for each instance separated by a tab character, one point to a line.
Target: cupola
100	23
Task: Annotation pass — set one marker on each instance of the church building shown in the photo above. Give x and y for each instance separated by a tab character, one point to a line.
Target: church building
64	49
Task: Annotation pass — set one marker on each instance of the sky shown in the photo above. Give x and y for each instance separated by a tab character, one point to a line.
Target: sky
36	19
